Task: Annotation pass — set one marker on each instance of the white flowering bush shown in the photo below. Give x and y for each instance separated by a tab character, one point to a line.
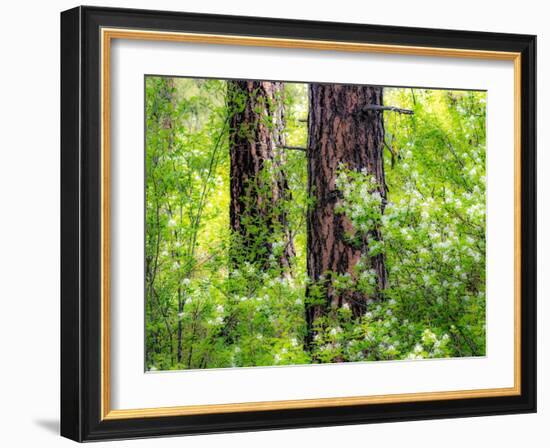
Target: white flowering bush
433	238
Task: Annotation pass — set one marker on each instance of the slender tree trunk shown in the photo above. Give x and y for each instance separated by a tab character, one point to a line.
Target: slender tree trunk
259	186
342	132
180	324
164	123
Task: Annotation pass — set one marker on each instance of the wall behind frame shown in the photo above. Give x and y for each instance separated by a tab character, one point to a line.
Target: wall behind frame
29	235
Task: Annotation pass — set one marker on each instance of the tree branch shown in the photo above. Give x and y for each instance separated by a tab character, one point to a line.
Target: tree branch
387	108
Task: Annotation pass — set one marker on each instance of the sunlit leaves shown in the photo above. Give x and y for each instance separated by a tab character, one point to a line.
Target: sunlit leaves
230	312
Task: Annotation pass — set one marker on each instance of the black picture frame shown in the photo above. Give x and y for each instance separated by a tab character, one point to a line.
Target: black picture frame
81	224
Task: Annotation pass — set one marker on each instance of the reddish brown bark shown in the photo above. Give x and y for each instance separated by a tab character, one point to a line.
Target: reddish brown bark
342	131
256	142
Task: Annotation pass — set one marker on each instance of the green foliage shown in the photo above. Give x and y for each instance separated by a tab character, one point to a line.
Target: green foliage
209	306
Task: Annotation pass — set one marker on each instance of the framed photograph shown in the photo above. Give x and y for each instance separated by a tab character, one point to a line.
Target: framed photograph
273	223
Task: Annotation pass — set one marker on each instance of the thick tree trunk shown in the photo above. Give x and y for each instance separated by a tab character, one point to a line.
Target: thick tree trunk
258	182
342	132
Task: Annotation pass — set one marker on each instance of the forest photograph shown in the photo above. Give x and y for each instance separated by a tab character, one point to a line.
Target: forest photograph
292	223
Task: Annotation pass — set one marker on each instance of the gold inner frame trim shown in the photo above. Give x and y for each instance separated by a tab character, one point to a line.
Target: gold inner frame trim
107	35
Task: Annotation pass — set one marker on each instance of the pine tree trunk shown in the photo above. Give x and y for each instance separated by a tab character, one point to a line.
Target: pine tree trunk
259	186
341	133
